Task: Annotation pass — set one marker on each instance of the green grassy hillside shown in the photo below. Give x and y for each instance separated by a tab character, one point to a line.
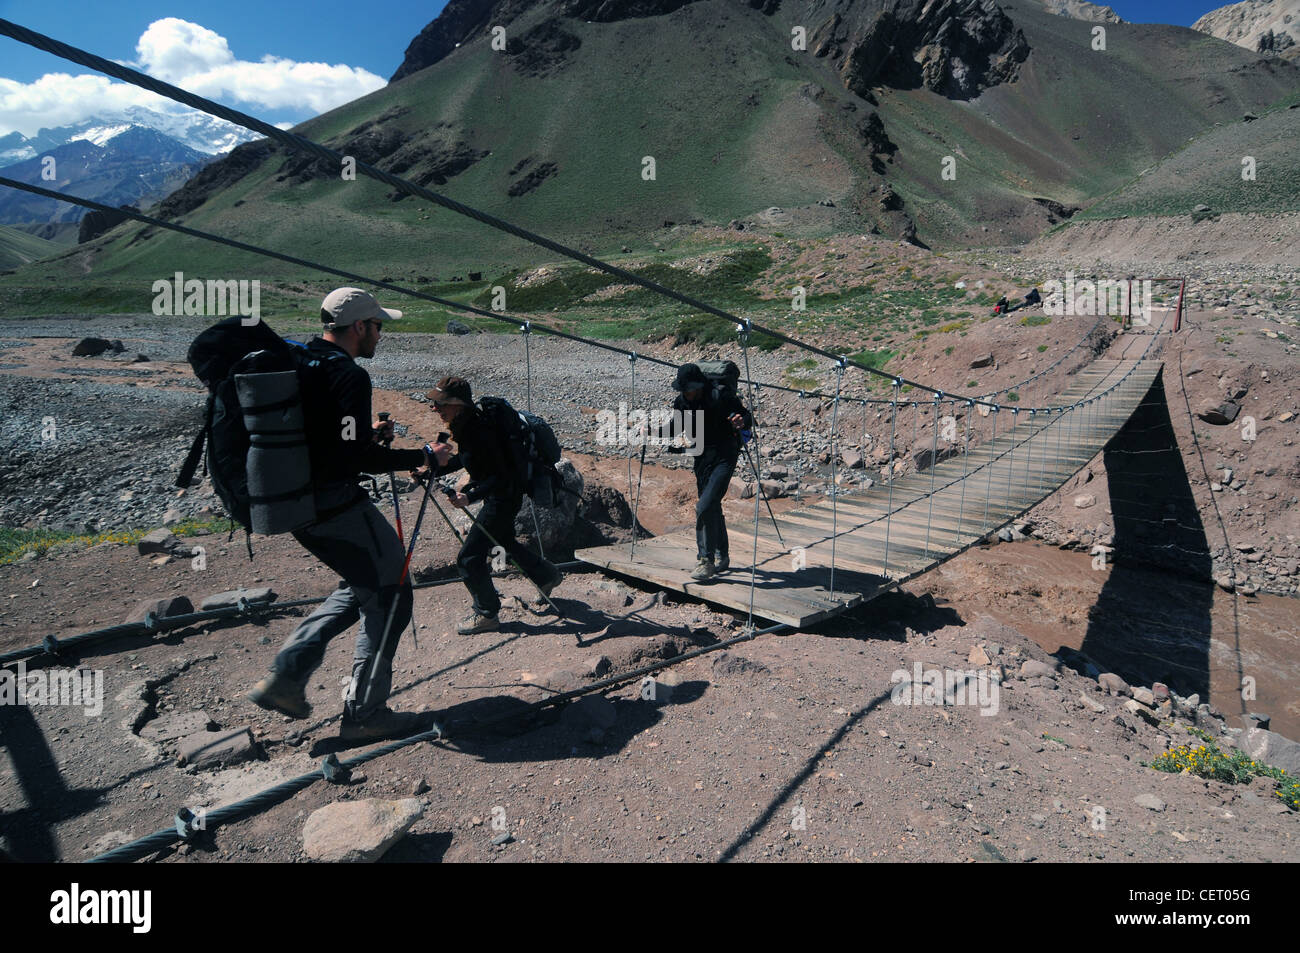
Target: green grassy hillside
19	248
736	122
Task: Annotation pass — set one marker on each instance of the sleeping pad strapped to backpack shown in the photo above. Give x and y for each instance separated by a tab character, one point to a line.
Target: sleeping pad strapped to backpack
257	455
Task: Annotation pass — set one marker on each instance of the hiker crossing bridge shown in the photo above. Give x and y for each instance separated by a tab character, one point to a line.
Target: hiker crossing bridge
809	564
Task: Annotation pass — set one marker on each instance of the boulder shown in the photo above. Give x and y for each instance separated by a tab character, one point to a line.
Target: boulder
358	832
1271	748
456	327
91	347
852	459
555	522
984	360
605	506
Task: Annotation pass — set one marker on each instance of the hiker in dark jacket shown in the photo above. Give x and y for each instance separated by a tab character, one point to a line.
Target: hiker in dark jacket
712	418
482	452
350	535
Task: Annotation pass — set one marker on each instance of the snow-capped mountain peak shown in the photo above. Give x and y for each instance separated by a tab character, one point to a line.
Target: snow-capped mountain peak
100	134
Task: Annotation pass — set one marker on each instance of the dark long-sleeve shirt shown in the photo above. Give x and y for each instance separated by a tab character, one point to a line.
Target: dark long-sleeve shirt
339	389
480	452
720	438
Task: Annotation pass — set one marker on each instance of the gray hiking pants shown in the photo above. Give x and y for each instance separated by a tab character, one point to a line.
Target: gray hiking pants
362	547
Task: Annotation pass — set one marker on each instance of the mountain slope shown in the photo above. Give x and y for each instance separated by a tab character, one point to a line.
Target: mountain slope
1261	26
19	248
116	165
554	132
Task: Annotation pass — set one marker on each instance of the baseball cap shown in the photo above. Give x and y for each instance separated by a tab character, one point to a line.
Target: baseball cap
451	390
345	306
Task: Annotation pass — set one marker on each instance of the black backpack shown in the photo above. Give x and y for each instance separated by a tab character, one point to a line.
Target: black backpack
724	376
217	355
530	447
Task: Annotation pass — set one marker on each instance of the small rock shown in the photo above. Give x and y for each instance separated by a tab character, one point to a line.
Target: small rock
1113	684
205	749
503	838
1134	708
1032	668
1145	696
598	666
1096	706
1218	414
984	360
161	609
159	541
978	656
1149	801
358	831
1085	500
419	787
226	600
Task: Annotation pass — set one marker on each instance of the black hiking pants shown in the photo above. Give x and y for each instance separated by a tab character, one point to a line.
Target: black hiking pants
497	517
712	475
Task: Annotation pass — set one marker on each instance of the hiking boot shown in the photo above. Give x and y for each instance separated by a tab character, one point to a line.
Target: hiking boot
721	564
384	723
475	622
703	569
277	693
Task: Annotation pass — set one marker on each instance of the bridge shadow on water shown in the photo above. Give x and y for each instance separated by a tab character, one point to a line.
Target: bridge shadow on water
1152	619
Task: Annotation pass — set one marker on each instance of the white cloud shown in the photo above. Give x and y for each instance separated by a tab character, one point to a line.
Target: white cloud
192	57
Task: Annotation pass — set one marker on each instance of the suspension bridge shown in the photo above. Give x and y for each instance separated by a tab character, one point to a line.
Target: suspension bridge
809	564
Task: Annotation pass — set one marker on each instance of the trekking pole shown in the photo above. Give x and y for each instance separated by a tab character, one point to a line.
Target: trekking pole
636	505
397	513
392	485
492	539
392	613
446	519
758	485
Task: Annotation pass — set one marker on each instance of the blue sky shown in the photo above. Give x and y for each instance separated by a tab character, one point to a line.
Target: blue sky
284	60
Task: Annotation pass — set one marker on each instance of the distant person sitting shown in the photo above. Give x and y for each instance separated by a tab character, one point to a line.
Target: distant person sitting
1001	306
1033	298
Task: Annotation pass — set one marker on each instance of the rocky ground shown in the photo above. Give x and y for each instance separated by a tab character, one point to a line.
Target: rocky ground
787	747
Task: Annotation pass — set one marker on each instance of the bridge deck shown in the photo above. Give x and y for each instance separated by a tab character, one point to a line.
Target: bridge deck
879	540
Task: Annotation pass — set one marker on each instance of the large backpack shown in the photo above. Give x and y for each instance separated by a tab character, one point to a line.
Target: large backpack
530	447
724	376
257	455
